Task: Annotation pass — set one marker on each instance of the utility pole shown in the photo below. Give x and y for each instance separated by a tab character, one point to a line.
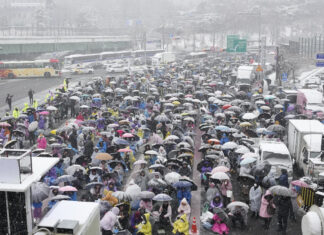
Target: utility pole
277	66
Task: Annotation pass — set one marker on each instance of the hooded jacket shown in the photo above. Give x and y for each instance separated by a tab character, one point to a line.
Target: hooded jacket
109	219
184	208
110	198
255	198
42	143
181	225
145	227
264	203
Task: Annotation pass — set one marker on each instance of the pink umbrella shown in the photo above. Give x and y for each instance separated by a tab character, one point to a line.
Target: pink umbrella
44	113
68	188
124	150
78	122
220	169
188	95
127	135
4	124
300	183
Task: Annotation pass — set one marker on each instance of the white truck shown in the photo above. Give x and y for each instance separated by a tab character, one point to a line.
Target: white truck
313	222
277	154
163	58
305	145
245	75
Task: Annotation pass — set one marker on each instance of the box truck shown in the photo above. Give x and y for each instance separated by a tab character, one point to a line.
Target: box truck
305	145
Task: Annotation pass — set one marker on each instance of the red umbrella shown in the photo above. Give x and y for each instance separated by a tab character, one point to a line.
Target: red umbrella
213	141
44	113
4	124
226	106
127	135
124	150
68	188
300	183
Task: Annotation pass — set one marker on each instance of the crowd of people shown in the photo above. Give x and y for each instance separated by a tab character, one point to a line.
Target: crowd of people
150	126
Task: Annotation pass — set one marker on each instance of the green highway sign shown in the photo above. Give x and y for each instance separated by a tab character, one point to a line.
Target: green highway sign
235	44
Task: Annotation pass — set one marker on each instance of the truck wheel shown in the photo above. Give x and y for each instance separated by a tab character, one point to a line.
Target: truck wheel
47	74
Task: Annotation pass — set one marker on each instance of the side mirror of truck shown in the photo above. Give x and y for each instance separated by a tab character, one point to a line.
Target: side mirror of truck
305	161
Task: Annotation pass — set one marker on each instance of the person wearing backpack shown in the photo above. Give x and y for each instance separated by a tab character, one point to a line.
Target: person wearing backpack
284	206
267	209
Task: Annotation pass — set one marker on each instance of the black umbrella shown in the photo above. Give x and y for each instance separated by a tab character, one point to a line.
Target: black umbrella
264	116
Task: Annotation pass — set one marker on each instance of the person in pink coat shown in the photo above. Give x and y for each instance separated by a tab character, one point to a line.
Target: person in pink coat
226	186
267	199
41	142
219	226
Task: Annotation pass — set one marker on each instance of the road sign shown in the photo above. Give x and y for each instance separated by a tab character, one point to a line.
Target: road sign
284	77
259	68
319	63
320	56
235	44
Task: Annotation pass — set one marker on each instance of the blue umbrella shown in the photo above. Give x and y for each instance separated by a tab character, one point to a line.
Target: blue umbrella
182	184
120	141
162	198
248	160
222	128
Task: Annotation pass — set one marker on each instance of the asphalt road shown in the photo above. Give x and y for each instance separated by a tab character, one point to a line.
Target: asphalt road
19	88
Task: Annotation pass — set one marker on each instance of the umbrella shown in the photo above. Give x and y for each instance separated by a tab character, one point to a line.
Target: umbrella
75	98
248	160
162	198
72	169
60	197
156	183
18	132
40	191
68	188
237	203
220	176
250	155
193	184
300	183
245	124
229	145
155	166
84	106
280	191
93	184
127	135
64	178
151	152
172	138
182	184
242	149
124	150
104	156
119	141
122	196
220	169
222	128
51	108
6	118
269	97
266	108
33	126
133	190
172	177
213	141
162	118
146	195
10	144
276	128
249	116
139	162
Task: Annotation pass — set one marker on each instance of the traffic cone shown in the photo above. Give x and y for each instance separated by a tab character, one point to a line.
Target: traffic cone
194	226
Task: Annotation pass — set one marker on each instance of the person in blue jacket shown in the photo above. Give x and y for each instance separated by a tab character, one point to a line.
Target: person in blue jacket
224	139
102	146
283	179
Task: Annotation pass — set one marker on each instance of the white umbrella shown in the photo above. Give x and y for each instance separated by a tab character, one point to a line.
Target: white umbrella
51	108
133	190
172	137
220	176
249	116
139	162
172	177
278	106
229	145
75	98
151	152
250	155
242	149
33	126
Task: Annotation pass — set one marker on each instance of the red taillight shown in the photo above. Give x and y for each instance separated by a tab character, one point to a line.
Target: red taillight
54	60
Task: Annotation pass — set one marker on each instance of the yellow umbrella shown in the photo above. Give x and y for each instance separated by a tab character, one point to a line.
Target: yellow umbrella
184	114
104	156
245	124
53	132
176	102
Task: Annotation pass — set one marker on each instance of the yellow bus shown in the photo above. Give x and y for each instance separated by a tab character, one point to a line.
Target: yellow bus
28	69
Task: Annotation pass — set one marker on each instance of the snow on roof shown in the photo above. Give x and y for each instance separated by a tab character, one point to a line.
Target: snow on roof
244	71
308	126
41	165
312	96
71	210
314	141
274	147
